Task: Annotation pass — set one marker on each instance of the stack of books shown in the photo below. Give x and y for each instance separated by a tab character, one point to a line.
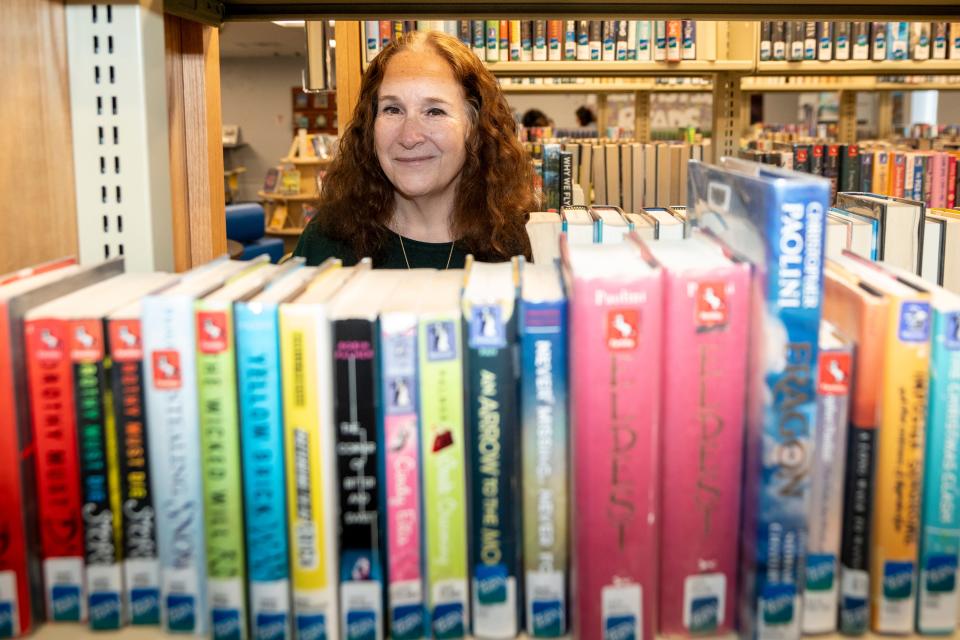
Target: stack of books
813	40
251	450
558	40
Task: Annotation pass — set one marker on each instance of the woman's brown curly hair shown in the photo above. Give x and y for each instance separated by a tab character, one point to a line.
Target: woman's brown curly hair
496	183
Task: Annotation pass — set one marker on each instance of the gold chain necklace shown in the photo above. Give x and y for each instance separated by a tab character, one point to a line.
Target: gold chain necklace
407	262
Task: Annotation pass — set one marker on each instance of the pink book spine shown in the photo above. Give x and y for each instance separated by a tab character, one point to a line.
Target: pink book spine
615	336
938	181
403	511
704	387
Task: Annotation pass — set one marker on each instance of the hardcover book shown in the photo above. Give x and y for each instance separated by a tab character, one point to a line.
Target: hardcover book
834	374
493	441
173	440
898	479
776	220
860	313
545	433
443	442
400	432
262	445
707	307
310	456
22	591
615	329
220	452
359	482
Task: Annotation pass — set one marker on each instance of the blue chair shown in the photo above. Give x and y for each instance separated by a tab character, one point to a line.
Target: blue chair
246	224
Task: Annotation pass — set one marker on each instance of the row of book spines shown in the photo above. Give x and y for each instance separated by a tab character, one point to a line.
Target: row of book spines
929	177
556	40
611	173
812	40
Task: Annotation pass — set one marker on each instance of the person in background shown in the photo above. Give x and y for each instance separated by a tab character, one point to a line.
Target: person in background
535	118
429	168
585	116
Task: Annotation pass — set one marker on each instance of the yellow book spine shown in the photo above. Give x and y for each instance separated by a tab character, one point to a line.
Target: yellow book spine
899	471
312	587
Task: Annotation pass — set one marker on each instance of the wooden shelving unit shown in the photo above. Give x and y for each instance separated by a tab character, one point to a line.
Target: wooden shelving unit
857	67
604	87
620	68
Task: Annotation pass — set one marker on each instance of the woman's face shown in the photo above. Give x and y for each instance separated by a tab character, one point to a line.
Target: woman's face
422	124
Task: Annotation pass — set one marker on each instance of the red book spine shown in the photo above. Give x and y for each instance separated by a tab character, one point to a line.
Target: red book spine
951	181
13	544
53	414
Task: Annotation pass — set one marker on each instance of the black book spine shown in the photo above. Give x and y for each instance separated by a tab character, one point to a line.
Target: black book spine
831	168
849	168
100	511
465	32
493	437
358	473
801	157
816	159
138	525
855	535
778	39
566	179
766	27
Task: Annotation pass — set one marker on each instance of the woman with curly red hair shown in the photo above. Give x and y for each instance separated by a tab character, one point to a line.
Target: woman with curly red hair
429	169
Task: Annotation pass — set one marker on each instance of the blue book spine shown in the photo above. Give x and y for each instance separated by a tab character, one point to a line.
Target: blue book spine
264	489
775	219
545	429
940	533
169	356
918	180
493	437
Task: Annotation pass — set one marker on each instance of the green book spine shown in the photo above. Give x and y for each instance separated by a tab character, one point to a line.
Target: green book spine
444	474
220	455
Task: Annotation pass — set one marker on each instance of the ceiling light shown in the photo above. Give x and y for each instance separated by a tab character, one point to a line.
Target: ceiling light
296	24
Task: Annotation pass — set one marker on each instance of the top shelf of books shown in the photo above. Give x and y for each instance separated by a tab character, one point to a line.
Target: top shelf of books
701	9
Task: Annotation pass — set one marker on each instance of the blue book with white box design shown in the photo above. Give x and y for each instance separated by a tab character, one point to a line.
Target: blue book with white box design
775	219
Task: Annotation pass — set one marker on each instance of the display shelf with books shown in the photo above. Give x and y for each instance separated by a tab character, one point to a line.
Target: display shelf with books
601	85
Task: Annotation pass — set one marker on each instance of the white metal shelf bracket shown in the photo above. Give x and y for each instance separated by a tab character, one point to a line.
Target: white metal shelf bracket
121	156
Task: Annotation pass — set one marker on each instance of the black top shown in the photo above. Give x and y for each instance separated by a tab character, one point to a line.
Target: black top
316	248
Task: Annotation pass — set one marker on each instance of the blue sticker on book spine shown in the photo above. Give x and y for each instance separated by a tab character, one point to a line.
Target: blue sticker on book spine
181	613
104	610
145	606
448	621
66	603
941	574
311	627
361	625
226	624
914	322
952	337
491	584
776	603
821	570
407	622
620	628
270	626
704	614
487	330
547	618
897	580
6	620
441	343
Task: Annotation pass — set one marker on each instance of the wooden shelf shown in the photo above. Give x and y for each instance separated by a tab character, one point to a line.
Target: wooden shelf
591	87
619	68
857	67
280	196
73	631
270	231
314	161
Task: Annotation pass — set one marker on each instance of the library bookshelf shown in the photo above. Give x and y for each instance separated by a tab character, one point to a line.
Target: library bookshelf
82	632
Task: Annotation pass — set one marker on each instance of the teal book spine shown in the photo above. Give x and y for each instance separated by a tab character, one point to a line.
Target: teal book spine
264	489
940	531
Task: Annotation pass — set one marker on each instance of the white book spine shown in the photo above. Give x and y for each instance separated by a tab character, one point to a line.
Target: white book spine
644	49
169	356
